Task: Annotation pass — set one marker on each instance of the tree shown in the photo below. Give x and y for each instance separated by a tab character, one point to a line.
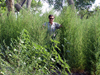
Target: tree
2	6
10	5
70	2
58	4
83	4
29	4
80	4
19	4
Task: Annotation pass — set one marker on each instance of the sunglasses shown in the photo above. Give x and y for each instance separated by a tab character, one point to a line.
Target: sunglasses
51	18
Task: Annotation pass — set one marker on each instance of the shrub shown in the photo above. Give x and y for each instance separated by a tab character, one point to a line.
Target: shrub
27	57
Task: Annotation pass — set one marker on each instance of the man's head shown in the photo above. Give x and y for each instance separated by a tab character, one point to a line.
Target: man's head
51	18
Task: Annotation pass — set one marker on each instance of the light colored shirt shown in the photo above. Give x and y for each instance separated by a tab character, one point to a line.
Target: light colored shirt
52	28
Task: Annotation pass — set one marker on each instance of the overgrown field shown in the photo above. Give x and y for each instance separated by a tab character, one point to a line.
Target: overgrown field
26	49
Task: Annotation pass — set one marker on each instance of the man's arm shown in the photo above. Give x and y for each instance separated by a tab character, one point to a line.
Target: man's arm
58	26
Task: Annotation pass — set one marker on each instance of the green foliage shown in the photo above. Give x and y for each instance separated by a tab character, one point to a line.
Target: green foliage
2	6
79	4
2	3
98	63
58	4
25	47
83	4
36	3
78	41
71	34
27	57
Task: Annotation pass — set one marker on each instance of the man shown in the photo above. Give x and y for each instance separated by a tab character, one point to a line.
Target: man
51	29
52	26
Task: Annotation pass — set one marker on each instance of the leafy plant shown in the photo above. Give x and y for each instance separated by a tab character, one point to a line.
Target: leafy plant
27	57
2	6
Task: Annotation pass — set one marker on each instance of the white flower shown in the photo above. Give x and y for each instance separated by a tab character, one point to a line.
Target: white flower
52	59
15	49
21	41
39	58
2	73
10	55
24	63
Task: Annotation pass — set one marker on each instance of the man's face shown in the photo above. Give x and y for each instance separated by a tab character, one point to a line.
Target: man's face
51	19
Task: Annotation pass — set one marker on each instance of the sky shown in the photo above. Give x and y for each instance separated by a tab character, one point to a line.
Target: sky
45	7
97	3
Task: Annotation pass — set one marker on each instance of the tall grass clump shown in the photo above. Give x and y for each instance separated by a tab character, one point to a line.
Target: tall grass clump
79	41
96	22
12	26
89	41
71	39
25	46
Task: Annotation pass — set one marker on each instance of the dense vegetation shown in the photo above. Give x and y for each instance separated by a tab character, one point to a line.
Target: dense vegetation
26	49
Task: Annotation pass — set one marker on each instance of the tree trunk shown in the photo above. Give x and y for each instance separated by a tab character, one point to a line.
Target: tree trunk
18	6
10	5
22	2
71	2
28	3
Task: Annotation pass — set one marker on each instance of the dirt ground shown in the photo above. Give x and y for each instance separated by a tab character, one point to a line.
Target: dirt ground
73	73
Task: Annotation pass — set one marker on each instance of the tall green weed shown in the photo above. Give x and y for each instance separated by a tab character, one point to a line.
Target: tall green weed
79	40
27	57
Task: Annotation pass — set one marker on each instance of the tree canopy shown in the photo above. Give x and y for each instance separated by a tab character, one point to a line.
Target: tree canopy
2	6
82	4
79	4
58	4
34	4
